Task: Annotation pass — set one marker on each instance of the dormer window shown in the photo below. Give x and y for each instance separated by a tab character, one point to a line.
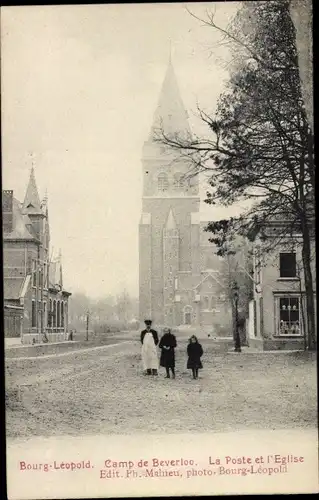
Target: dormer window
162	182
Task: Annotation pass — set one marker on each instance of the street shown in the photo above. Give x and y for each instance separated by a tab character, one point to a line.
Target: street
103	391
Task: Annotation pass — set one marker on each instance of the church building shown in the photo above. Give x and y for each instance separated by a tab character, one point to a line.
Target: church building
35	301
180	276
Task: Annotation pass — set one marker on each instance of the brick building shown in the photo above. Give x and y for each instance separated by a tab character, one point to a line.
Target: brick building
35	302
179	273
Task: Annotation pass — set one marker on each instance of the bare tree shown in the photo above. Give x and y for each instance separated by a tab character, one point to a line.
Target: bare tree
259	146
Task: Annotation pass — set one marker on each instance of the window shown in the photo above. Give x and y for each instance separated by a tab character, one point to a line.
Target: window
50	314
289	316
40	278
188	315
206	302
34	273
62	314
178	182
213	302
287	265
33	315
66	314
162	182
45	276
44	314
54	314
58	315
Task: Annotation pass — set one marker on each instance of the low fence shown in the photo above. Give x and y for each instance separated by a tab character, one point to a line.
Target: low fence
40	338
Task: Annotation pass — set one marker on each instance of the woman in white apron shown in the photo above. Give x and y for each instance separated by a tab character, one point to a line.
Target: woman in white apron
149	339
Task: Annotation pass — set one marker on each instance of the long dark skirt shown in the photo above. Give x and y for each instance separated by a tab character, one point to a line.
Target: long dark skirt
194	363
167	359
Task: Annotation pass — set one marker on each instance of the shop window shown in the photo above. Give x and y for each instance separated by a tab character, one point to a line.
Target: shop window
289	316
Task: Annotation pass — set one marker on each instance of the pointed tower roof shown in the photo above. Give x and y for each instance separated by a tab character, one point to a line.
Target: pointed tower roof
170	222
56	277
31	203
170	114
60	269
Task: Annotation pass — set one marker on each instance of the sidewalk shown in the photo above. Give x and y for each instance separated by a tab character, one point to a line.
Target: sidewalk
253	350
12	342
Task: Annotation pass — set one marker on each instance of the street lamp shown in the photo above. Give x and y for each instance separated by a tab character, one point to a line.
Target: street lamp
236	334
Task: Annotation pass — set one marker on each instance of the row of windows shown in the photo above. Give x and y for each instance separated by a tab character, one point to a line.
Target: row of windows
179	182
54	318
210	303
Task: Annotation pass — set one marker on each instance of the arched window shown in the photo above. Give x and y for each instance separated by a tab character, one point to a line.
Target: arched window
188	315
62	314
33	315
178	181
58	315
162	182
206	302
66	320
54	314
213	302
50	314
45	320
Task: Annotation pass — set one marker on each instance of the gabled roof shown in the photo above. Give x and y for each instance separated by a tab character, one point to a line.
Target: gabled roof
211	274
22	228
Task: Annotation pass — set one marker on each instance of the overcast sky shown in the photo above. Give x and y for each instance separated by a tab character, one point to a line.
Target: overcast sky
80	85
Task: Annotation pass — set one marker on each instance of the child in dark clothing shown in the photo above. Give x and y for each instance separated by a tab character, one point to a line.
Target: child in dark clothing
195	352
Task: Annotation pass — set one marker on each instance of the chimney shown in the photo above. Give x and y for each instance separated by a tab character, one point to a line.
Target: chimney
7	211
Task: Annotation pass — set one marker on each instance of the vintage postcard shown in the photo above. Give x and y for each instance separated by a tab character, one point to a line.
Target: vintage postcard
159	268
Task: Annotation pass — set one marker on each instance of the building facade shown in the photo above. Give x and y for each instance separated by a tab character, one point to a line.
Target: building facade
180	279
277	316
35	302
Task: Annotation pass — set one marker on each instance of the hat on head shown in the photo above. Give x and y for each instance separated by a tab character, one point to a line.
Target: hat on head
148	321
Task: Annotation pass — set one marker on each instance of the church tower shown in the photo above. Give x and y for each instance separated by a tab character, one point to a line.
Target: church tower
33	208
37	213
169	225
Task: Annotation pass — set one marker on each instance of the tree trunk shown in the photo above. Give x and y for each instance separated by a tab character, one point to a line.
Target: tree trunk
310	302
301	15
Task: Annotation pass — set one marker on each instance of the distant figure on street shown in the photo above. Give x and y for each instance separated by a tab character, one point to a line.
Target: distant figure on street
149	340
195	352
167	345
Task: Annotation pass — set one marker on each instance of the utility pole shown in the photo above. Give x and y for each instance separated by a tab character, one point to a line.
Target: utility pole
87	325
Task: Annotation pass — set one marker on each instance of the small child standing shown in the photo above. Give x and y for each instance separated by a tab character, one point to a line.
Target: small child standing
195	352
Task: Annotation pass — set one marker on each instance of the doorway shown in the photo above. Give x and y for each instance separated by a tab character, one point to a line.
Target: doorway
188	315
